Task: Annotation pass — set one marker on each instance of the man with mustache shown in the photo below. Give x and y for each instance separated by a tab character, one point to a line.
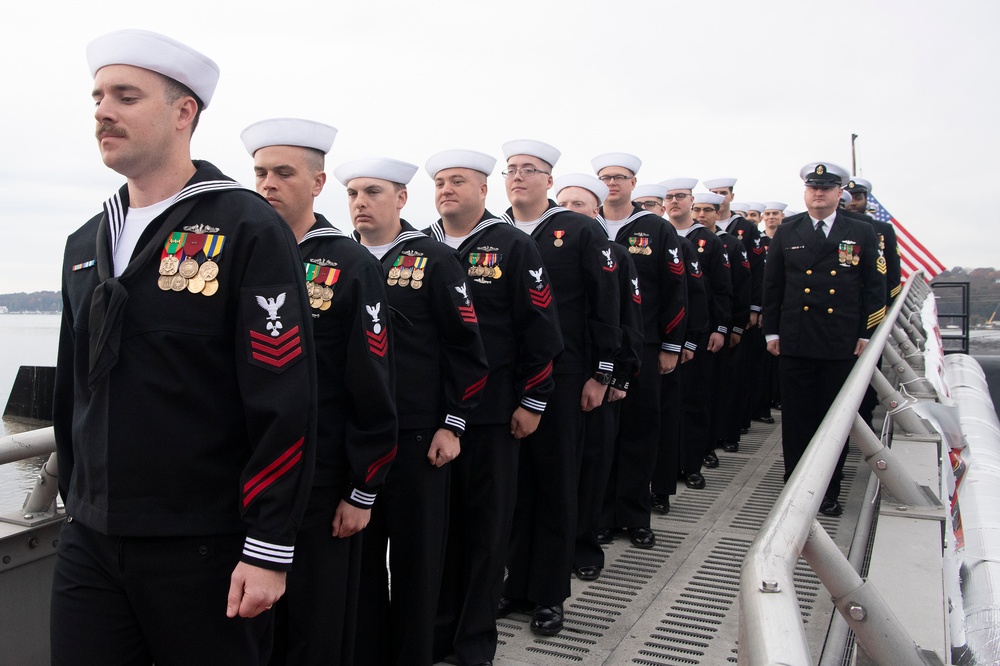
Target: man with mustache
185	398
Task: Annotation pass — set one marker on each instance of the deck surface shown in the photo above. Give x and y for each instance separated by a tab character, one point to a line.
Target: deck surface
677	604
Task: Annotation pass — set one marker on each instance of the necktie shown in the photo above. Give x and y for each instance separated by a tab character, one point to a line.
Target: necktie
819	229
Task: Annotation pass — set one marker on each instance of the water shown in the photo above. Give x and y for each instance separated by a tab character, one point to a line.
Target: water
28	339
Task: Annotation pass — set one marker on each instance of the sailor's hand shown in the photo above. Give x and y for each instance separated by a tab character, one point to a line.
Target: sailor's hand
523	422
593	395
666	362
616	394
253	590
349	520
860	347
715	342
773	347
445	447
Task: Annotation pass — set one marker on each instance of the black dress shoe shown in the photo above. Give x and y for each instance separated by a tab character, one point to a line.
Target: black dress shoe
744	431
661	503
711	460
508	606
696	481
830	507
547	620
776	405
588	573
731	447
764	419
642	537
605	536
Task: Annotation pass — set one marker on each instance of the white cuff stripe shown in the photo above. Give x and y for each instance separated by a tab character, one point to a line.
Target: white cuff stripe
454	421
670	347
269	552
604	366
755	308
362	498
530	403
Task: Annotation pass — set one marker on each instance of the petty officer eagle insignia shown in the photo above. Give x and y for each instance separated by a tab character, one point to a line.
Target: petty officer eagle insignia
275	335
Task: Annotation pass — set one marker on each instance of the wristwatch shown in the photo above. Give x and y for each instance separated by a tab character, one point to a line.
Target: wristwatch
603	377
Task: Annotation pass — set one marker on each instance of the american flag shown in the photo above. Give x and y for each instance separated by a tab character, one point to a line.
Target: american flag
912	254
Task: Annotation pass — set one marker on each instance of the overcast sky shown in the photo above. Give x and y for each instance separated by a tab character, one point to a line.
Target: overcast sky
752	90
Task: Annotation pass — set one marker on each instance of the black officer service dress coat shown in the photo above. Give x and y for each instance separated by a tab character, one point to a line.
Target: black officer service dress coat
823	294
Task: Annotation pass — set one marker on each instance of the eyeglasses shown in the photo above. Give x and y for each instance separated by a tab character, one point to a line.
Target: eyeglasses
680	196
616	178
526	172
648	205
704	209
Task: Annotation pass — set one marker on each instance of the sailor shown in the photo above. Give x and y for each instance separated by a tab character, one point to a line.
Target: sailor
664	482
441	370
764	389
823	297
727	405
185	399
583	274
584	194
889	263
697	393
356	428
653	244
739	208
520	330
754	211
737	370
859	189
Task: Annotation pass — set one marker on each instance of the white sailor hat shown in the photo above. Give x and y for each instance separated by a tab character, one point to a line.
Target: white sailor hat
709	198
824	174
739	207
845	197
753	205
716	183
158	53
584	180
644	191
624	160
288	132
857	184
460	159
679	183
382	168
774	205
539	149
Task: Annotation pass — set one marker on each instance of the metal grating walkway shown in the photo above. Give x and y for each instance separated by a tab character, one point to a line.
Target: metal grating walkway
676	604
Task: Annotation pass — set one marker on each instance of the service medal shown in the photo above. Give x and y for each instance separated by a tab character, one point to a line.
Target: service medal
163	282
325	306
178	282
208	270
855	260
416	284
316	303
558	242
392	281
188	268
405	273
394	273
326	293
211	286
169	264
419	267
497	272
404	281
196	284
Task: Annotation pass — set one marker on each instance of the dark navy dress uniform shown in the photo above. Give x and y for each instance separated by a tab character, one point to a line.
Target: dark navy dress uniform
668	459
601	424
582	272
729	381
654	247
520	330
441	371
821	295
698	395
356	443
185	427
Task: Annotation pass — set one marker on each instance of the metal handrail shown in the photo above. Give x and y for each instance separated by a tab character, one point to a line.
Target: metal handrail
771	629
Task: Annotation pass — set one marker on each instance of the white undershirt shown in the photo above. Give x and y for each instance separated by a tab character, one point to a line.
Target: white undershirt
378	251
614	226
136	221
454	241
528	227
684	232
